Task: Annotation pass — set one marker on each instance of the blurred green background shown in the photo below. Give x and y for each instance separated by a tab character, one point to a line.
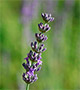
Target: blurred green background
61	61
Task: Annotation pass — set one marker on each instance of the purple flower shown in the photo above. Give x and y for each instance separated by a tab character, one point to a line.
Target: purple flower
43	28
26	66
33	59
28	78
33	56
34	78
36	48
47	17
37	66
40	37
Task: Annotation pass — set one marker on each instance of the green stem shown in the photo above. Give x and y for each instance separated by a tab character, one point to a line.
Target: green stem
27	87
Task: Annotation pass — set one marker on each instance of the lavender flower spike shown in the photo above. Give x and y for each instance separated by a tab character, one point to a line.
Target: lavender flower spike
33	59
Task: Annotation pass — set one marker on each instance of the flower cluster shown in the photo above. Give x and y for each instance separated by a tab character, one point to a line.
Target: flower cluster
33	59
43	28
47	17
40	37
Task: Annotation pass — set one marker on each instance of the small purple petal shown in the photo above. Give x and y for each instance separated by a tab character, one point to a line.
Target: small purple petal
26	66
34	54
42	35
44	49
35	44
46	25
35	77
36	34
45	38
42	45
27	59
39	69
52	19
47	29
39	34
39	57
32	45
38	63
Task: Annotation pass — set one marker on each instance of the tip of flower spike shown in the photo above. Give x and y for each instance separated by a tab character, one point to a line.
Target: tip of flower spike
47	17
